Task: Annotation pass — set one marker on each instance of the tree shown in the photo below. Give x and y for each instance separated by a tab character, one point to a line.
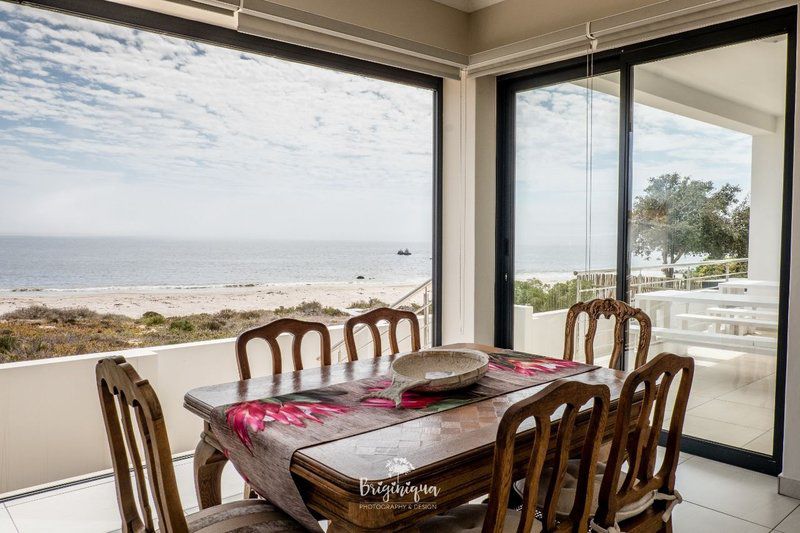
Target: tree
678	215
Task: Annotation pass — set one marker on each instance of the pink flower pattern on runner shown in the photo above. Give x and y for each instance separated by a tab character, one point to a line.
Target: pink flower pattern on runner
430	401
253	416
409	400
527	365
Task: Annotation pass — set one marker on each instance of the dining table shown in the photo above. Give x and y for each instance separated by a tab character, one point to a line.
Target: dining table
450	450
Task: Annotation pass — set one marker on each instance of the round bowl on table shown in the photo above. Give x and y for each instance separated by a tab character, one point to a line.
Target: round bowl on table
433	370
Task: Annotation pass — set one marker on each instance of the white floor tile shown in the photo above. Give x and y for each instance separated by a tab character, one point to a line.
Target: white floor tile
718	431
760	393
682	457
93	509
790	524
6	524
734	491
690	518
61	490
735	413
762	443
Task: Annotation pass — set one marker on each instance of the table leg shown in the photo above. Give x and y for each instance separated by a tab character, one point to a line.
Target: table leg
208	465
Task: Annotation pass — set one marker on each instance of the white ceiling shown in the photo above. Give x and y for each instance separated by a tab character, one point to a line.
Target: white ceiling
752	74
468	5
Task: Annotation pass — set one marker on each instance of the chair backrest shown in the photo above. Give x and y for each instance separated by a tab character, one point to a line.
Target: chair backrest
571	395
123	392
370	319
638	447
270	332
607	308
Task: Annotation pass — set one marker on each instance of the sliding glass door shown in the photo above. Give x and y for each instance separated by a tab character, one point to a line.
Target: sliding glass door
705	228
565	181
662	180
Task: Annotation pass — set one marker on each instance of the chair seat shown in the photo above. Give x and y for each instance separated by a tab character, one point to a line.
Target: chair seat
245	516
469	519
567	496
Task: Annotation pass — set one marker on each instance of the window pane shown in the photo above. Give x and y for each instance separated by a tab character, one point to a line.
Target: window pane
566	188
209	188
706	227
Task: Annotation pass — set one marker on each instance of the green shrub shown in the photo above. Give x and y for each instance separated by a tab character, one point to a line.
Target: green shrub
181	325
719	270
546	297
42	312
151	318
8	343
213	325
312	308
372	303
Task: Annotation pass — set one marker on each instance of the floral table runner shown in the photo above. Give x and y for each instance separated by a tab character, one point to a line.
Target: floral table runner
260	437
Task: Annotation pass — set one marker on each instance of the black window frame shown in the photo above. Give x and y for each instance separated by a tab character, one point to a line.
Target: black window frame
623	60
172	26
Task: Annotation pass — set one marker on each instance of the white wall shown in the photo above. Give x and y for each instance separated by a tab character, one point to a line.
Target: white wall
51	427
765	205
789	481
469	210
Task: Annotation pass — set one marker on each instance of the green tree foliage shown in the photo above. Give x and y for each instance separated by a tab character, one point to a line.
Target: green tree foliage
545	297
678	215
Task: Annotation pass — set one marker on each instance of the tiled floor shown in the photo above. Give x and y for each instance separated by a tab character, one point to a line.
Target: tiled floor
733	398
717	498
92	507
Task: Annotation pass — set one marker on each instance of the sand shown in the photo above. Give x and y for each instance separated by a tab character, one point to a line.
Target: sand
177	302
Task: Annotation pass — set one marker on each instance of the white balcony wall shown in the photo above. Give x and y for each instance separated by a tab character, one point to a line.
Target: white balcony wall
766	197
543	334
51	427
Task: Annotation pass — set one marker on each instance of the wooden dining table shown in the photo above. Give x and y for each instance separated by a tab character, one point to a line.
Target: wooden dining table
451	450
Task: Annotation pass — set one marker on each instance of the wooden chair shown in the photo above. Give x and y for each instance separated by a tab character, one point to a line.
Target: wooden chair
270	332
129	402
607	308
496	517
370	319
641	499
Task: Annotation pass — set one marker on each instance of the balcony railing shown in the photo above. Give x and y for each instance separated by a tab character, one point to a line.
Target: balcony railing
684	276
419	300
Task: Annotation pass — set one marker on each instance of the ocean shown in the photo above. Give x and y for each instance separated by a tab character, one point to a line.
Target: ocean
92	263
70	263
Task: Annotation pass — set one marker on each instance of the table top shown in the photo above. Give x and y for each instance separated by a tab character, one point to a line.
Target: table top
423	441
746	283
710	296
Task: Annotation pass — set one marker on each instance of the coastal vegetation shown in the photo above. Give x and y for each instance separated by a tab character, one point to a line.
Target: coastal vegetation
546	296
39	332
372	303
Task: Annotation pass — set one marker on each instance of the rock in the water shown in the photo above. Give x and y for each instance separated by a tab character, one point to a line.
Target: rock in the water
359	277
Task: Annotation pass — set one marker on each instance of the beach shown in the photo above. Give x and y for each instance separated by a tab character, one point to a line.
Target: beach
133	302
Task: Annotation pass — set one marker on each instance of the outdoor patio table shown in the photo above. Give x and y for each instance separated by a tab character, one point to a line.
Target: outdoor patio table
449	450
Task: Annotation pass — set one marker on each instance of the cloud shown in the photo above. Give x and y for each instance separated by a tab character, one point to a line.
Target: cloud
551	162
112	130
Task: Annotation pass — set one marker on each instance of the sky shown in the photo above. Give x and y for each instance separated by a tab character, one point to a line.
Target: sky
106	130
111	131
551	168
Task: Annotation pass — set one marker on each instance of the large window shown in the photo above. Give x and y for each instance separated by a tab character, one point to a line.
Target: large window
158	190
660	180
